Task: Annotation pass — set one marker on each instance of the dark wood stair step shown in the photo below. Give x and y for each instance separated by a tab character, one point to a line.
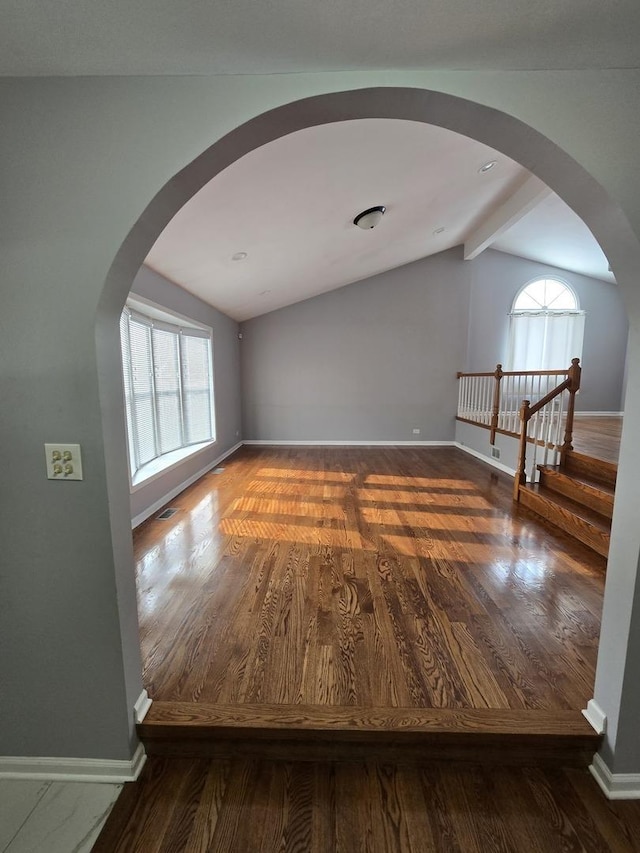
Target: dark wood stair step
584	524
580	488
588	466
401	735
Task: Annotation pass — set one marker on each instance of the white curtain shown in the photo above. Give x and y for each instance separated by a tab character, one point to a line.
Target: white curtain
544	340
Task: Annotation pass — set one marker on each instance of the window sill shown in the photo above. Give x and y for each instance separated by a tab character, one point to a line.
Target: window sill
163	464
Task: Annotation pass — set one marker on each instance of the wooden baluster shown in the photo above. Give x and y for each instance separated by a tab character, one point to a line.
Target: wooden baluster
521	476
495	411
573	375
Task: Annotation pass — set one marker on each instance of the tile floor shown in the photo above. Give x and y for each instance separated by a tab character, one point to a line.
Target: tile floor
53	817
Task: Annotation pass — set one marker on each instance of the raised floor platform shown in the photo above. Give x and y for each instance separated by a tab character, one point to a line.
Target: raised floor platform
400	735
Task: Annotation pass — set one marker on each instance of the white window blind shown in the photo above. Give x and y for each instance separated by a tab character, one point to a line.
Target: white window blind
168	387
196	407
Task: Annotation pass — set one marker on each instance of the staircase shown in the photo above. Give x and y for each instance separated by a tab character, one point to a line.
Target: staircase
576	496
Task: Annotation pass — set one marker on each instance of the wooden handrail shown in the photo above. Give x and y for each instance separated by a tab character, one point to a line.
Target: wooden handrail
527	411
460	374
542	402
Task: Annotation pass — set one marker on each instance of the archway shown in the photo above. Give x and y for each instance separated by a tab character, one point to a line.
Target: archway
498	130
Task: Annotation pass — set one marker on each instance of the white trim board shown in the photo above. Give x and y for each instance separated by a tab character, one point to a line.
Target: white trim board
598	414
493	462
74	769
141	708
615	786
149	511
596	717
346	443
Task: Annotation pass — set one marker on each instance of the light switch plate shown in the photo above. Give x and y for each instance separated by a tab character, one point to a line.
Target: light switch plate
64	461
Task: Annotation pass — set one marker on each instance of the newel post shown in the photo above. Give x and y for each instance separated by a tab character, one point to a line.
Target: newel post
495	411
573	375
521	477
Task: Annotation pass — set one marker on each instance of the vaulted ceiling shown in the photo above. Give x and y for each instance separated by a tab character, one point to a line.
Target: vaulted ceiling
277	226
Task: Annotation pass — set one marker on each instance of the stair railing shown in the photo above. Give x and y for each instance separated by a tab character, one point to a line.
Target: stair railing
540	421
492	400
528	403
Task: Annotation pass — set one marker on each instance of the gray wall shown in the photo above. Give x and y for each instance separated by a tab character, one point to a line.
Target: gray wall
377	358
370	361
497	277
478	439
226	367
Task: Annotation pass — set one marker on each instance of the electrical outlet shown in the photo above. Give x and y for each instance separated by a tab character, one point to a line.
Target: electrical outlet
64	461
416	431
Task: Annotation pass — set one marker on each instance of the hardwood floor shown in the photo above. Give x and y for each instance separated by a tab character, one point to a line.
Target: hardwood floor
599	437
382	577
194	806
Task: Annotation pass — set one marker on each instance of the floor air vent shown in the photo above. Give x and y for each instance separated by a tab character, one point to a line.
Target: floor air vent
218	470
167	513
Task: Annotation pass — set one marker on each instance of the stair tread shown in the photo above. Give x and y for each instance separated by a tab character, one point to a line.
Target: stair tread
165	717
577	509
590	482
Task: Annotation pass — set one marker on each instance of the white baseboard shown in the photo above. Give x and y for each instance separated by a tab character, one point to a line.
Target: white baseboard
149	511
141	708
73	769
488	459
595	716
598	414
346	443
616	786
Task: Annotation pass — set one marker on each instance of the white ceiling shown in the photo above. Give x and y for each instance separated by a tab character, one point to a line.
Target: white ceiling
275	36
553	234
290	207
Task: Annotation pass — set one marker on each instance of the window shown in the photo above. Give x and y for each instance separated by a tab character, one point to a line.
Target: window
168	386
546	327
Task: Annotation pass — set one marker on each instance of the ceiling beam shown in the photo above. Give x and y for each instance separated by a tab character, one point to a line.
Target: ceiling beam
523	200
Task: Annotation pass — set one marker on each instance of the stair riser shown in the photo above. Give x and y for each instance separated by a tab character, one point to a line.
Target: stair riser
582	493
585	466
559	752
559	517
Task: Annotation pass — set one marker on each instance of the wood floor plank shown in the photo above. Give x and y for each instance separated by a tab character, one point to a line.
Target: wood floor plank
200	838
233	818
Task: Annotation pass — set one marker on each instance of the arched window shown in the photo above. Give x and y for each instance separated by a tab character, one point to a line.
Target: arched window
546	326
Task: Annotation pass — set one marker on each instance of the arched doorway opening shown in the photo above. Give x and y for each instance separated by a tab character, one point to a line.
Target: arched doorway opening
496	129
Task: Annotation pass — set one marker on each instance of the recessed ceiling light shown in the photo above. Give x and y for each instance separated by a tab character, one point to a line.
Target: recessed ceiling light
239	256
439	230
486	167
